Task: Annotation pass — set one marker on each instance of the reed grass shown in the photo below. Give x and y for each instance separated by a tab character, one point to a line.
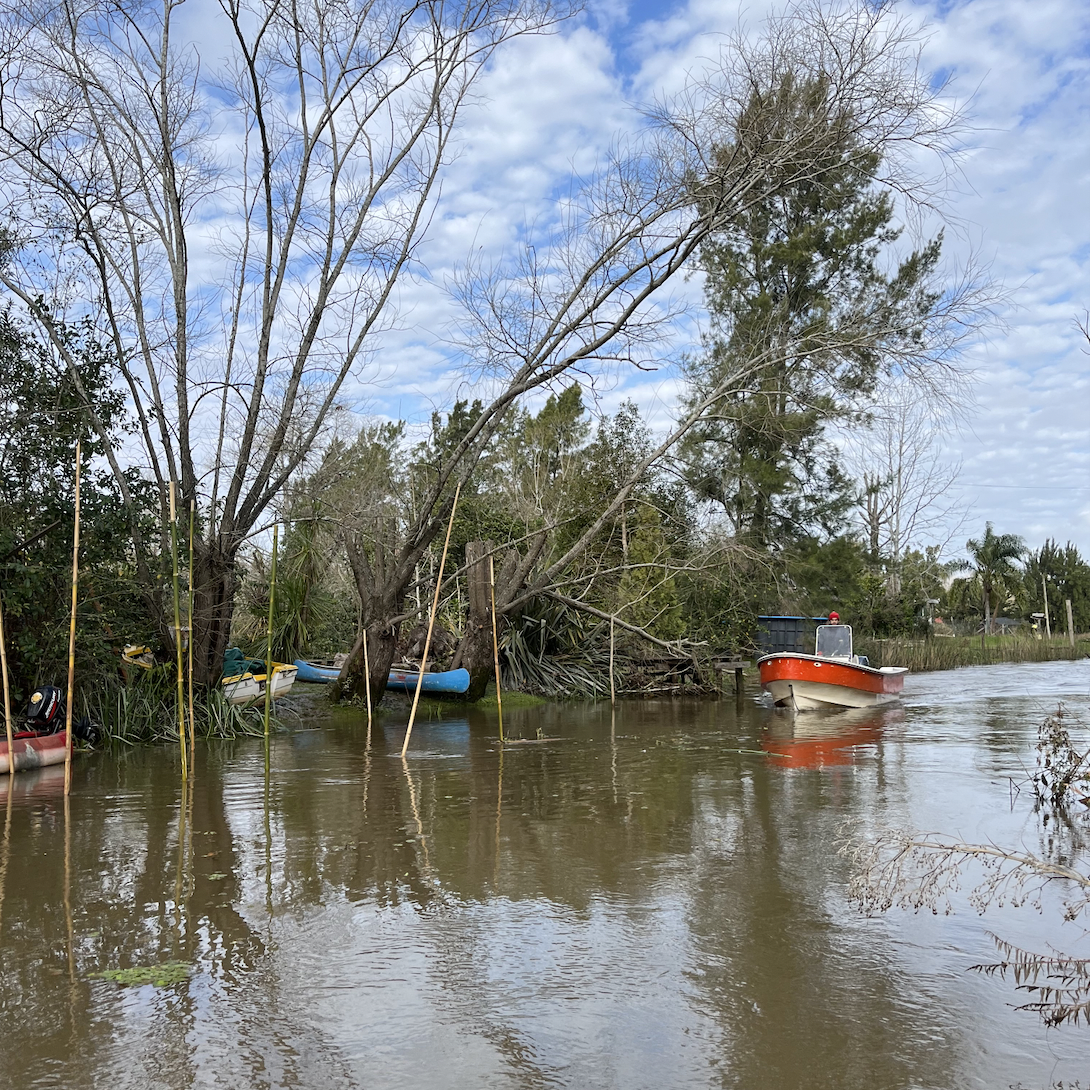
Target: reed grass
948	653
145	710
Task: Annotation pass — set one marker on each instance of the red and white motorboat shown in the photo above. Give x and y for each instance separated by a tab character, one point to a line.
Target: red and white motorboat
832	677
33	750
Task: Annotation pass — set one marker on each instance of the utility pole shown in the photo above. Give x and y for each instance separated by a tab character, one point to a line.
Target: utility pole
1070	622
1044	591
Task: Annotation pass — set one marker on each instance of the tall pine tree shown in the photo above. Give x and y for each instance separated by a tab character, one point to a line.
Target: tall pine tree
792	272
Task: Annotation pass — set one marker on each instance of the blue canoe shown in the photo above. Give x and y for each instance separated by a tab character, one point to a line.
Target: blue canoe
449	681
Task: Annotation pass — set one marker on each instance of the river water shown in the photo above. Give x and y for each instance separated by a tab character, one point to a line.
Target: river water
648	899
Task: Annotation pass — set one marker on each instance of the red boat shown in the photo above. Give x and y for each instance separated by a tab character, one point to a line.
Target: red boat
832	677
41	740
33	750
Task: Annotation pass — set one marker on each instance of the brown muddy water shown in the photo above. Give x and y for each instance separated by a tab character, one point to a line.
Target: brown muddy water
651	900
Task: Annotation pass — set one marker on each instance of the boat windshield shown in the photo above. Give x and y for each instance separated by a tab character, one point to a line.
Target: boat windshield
834	641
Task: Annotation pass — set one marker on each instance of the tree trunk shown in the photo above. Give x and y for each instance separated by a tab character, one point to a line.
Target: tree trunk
475	652
381	651
215	582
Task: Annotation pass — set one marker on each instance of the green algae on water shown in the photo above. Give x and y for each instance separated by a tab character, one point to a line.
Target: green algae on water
161	976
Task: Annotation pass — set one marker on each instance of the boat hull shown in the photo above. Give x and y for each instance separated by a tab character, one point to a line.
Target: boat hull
806	682
34	752
448	681
315	673
248	688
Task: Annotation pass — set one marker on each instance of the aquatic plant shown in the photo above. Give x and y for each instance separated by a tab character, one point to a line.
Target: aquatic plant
1062	775
923	872
949	653
145	710
163	975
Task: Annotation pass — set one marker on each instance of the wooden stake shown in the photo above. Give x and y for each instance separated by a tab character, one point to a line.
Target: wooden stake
192	731
1070	622
495	639
178	635
1044	591
7	699
431	623
269	673
72	636
612	688
367	684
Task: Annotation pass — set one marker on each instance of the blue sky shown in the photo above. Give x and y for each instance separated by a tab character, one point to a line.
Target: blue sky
1021	205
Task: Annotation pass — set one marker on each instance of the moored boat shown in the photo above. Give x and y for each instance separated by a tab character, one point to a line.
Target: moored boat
443	681
244	679
33	750
42	738
831	677
316	672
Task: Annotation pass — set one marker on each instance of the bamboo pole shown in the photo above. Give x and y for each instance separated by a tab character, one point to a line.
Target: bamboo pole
178	634
495	639
367	684
269	636
7	696
192	731
431	623
72	636
612	687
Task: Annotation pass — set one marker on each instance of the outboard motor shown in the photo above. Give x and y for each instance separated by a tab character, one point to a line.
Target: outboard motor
46	712
46	716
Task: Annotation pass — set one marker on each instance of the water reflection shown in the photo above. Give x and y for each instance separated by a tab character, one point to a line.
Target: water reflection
825	739
641	899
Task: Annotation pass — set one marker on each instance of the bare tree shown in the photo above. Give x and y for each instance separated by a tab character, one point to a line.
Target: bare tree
908	498
758	124
235	218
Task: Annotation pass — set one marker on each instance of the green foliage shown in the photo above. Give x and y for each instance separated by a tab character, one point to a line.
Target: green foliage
801	311
996	579
144	709
308	614
41	418
1067	576
647	593
164	975
952	652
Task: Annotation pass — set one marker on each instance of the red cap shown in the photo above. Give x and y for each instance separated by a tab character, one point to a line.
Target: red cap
834	616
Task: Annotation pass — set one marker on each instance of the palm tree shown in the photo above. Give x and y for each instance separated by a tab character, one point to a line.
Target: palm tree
994	559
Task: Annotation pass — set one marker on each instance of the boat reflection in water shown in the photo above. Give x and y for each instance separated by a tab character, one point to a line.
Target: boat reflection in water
825	741
38	783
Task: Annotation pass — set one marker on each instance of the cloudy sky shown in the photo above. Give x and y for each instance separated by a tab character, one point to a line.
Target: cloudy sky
1022	205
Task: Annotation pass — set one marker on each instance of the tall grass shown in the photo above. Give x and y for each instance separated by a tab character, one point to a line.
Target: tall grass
948	653
146	710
